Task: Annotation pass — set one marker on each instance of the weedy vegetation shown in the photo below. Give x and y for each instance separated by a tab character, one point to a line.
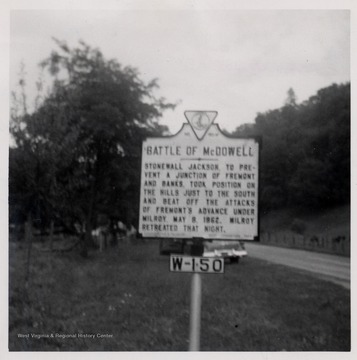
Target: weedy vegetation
128	293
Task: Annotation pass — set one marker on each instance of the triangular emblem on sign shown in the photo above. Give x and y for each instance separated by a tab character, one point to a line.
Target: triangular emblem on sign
200	121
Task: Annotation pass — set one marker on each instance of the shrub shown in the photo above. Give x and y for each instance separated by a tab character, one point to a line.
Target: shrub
298	226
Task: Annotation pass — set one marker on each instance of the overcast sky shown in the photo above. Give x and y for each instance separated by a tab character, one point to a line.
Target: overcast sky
236	62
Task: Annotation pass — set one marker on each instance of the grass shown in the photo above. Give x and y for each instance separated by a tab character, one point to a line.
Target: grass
129	293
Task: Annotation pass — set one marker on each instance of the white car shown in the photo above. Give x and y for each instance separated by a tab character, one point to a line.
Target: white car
231	250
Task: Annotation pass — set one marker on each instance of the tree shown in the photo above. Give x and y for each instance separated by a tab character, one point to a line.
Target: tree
89	130
305	158
291	99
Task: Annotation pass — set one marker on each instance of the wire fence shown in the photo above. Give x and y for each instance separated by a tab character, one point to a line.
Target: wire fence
339	245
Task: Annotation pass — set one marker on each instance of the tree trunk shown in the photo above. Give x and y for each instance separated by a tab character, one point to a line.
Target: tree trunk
28	240
87	238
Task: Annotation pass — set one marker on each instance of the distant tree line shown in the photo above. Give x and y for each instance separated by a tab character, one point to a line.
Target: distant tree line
305	157
76	158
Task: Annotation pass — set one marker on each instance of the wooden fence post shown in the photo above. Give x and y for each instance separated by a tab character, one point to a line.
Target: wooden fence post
51	234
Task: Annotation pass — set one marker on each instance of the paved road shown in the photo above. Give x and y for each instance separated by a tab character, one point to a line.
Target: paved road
329	267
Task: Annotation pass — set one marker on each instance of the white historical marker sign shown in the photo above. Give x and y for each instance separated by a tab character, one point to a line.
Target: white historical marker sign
199	183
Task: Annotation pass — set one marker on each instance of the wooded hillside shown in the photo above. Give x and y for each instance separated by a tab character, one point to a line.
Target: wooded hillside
305	158
76	158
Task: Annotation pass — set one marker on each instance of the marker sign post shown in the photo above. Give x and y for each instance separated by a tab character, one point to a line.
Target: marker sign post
199	183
